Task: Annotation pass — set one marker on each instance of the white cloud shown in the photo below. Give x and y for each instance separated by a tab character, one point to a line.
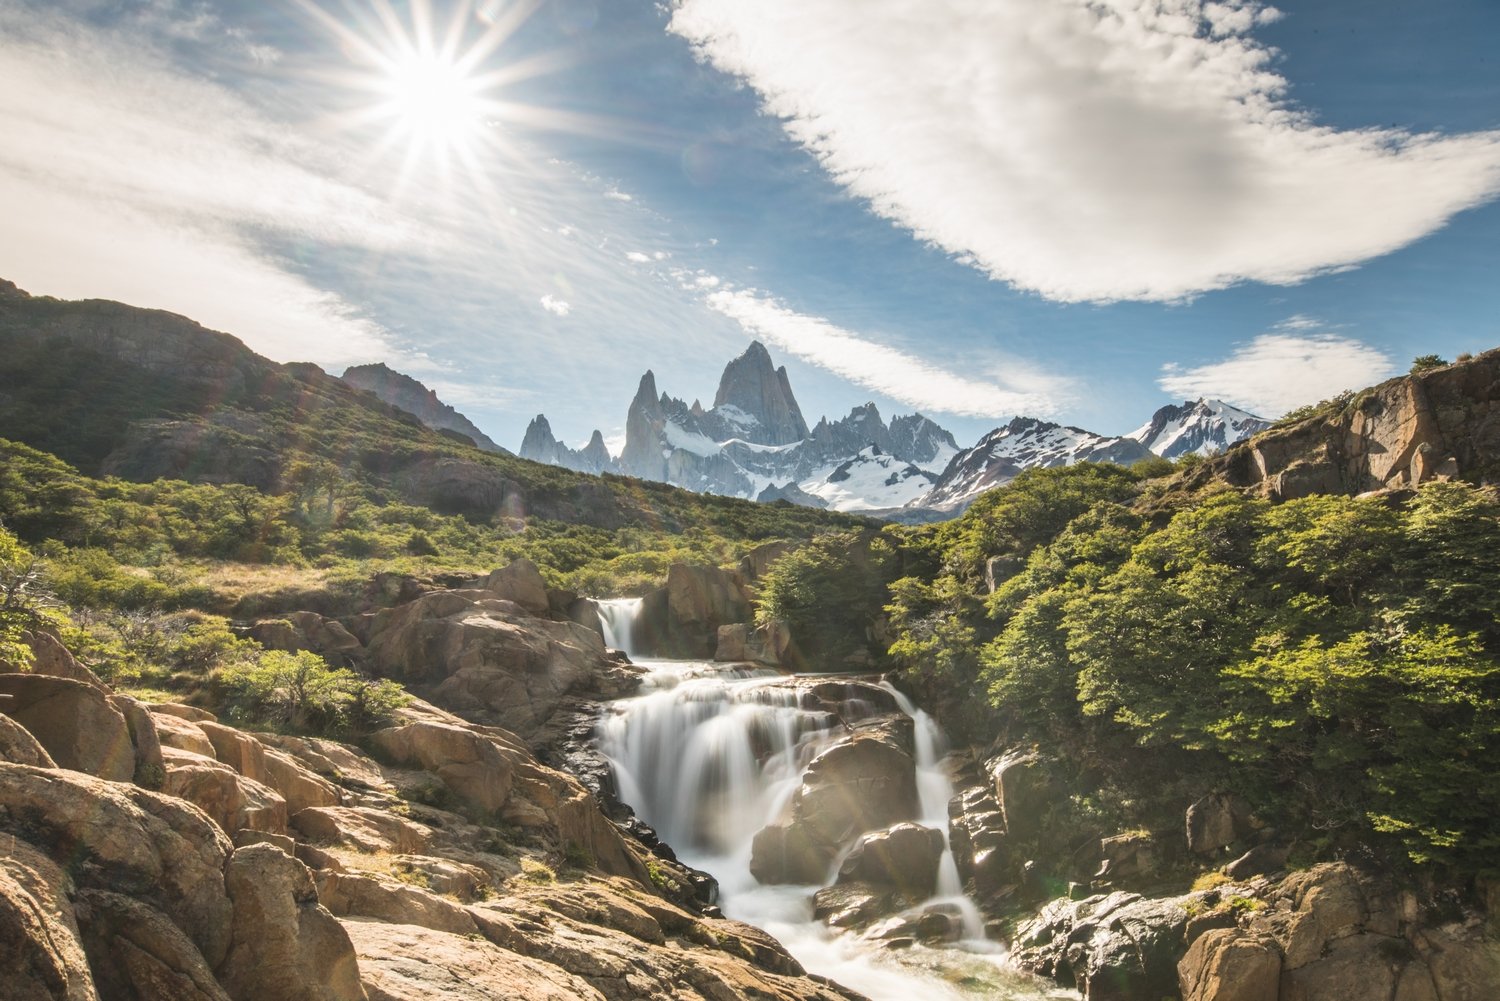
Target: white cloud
1281	370
618	195
1088	149
554	305
896	374
638	257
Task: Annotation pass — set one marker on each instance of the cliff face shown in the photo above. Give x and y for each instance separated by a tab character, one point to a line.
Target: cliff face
1439	424
416	399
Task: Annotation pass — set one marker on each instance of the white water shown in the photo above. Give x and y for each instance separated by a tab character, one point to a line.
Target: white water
709	754
617	618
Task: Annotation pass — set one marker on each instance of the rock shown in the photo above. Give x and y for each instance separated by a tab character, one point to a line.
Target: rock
49	657
136	952
410	963
1025	785
1126	856
477	769
74	722
853	905
522	583
444	876
1227	964
1309	909
683	618
362	828
190	713
19	747
904	857
755	563
1357	968
783	853
1215	821
300	787
1464	964
174	731
155	849
976	833
485	659
230	799
328	638
284	944
237	749
370	895
1257	861
150	770
40	947
341	763
245	837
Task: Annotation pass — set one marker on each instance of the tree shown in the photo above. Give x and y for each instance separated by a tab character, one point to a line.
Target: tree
1423	363
23	596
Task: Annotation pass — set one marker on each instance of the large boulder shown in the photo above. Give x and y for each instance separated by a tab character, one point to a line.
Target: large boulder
136	952
362	828
522	583
40	947
683	618
300	787
904	857
862	783
229	798
976	833
283	943
74	721
141	725
51	658
1227	964
1026	785
1217	821
237	749
340	763
19	747
485	658
479	770
174	731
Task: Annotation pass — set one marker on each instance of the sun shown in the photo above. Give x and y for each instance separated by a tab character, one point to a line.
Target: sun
433	102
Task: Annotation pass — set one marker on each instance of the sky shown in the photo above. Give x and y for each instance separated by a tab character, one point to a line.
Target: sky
1079	210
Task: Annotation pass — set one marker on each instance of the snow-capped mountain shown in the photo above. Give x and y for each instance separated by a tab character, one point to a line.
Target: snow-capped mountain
1204	427
1024	443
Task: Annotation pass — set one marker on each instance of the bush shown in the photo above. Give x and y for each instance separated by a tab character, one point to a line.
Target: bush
300	691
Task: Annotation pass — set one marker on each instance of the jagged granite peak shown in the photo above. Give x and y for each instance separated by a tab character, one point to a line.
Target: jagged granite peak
1204	426
540	445
763	394
1024	443
792	493
400	390
917	439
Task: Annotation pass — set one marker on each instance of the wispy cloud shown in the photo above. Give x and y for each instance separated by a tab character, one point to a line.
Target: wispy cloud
1089	149
555	306
885	370
1281	370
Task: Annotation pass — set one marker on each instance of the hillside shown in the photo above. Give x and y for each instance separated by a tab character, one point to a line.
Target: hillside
143	395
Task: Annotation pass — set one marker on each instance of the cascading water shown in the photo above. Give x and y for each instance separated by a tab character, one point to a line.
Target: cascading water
708	754
617	618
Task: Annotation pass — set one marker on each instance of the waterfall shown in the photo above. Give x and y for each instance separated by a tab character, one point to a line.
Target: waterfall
617	618
709	754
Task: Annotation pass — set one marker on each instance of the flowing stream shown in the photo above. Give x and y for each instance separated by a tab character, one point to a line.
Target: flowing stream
708	754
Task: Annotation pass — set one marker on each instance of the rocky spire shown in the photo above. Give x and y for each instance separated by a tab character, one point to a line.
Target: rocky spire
750	384
642	454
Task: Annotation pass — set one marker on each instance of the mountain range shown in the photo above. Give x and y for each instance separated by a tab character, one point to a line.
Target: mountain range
755	443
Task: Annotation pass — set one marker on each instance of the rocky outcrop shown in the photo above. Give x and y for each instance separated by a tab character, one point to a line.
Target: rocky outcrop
752	387
488	658
74	721
683	618
19	747
1439	424
539	445
416	399
903	857
233	801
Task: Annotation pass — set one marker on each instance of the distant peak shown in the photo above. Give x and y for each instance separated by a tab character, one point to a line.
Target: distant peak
540	422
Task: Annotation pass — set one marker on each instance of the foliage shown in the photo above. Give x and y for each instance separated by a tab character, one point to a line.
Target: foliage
300	691
536	871
828	592
24	593
1423	363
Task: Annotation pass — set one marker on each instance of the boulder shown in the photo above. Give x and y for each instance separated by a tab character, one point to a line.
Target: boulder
283	943
1357	968
371	895
522	583
1227	964
1126	856
445	876
139	723
1216	821
784	853
904	857
49	657
976	833
307	631
174	731
135	952
853	905
1464	963
479	770
230	799
485	659
74	721
362	828
300	787
683	618
1026	784
154	849
41	950
19	747
190	713
344	765
237	749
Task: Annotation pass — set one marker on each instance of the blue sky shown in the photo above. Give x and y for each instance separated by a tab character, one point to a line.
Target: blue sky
1069	210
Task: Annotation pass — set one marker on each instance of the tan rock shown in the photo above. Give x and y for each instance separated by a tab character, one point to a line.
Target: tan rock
40	946
174	731
190	713
340	763
370	895
51	658
444	876
74	722
522	583
284	944
478	770
1357	968
904	857
19	747
237	749
410	963
230	799
1465	964
363	829
156	849
1226	964
136	952
300	787
144	738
